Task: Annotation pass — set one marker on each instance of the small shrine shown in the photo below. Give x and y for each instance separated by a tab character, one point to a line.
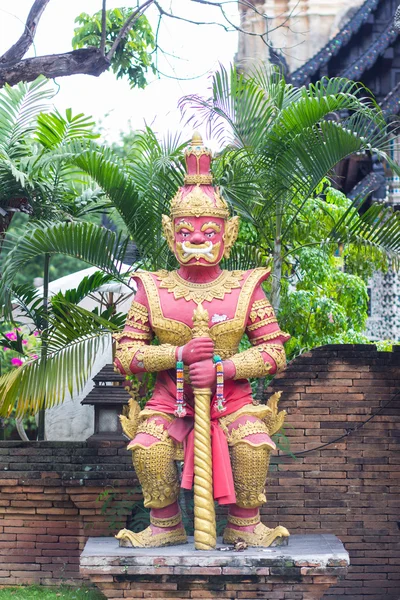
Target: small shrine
108	397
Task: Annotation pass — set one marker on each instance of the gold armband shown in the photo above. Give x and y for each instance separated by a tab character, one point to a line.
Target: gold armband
261	309
250	363
131	335
269	336
138	312
125	354
277	352
262	323
137	325
157	358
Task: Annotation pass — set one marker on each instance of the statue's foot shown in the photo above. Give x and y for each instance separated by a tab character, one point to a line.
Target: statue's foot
148	538
260	536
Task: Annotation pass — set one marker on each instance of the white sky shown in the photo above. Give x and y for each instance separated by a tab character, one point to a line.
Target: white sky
111	101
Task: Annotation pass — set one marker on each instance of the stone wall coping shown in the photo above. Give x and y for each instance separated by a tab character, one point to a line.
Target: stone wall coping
324	552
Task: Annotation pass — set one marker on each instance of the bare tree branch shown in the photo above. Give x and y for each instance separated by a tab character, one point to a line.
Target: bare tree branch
94	61
172	16
88	61
21	46
128	23
103	27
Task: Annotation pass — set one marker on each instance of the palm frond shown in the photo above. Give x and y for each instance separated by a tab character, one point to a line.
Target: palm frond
19	108
43	383
243	258
378	228
86	286
237	102
53	129
27	302
91	243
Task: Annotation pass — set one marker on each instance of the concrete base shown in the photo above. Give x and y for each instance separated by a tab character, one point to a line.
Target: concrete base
303	570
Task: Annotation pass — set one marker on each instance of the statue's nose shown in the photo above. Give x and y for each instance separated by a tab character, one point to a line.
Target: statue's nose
197	238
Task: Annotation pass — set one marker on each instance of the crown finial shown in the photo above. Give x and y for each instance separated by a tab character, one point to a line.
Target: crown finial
197	140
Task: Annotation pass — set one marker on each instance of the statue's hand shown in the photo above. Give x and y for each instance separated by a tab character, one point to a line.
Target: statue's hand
203	374
196	350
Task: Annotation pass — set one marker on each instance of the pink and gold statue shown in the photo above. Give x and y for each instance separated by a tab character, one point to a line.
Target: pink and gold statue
202	408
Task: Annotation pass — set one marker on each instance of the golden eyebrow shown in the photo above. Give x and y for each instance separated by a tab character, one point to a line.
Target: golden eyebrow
183	225
211	225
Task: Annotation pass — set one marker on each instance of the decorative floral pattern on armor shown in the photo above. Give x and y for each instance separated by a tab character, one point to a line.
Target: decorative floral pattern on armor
261	309
200	292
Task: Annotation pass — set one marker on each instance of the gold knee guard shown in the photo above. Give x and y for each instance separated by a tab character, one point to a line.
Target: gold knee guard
250	467
157	473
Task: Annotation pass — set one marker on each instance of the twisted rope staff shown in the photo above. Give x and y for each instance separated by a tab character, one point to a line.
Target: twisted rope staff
205	536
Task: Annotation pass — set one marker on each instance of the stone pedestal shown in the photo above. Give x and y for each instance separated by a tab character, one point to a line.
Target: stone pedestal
303	570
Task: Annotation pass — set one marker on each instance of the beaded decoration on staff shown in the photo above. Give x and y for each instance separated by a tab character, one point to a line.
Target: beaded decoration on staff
219	396
180	410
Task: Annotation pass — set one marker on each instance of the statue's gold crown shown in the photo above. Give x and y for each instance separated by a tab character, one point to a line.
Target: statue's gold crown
198	197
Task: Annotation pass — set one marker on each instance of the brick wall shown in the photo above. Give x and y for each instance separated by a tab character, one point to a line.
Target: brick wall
49	506
350	488
49	491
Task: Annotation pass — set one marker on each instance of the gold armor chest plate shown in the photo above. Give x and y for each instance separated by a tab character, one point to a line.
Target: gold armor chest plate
226	334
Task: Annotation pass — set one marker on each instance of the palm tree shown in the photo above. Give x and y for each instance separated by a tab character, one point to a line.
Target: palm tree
280	143
281	147
19	109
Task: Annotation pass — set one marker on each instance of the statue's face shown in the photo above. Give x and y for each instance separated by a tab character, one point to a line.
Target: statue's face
199	240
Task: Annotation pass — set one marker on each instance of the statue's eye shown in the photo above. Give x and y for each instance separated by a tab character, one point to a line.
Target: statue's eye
210	234
184	233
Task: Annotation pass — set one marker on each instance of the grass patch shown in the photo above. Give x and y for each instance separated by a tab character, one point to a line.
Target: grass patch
37	592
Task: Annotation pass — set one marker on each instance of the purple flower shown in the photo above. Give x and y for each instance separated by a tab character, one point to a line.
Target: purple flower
16	362
5	348
11	335
25	342
34	356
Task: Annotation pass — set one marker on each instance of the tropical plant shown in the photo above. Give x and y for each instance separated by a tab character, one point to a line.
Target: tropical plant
280	142
281	149
34	176
72	335
19	109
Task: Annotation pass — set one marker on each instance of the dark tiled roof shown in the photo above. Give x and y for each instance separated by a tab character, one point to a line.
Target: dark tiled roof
304	73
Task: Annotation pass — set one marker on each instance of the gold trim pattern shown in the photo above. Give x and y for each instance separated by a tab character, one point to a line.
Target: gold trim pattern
250	468
262	323
149	426
157	358
198	204
129	418
231	233
243	521
250	363
275	351
132	335
167	521
149	412
138	312
198	179
261	411
244	429
157	472
137	325
260	309
268	336
125	356
200	292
